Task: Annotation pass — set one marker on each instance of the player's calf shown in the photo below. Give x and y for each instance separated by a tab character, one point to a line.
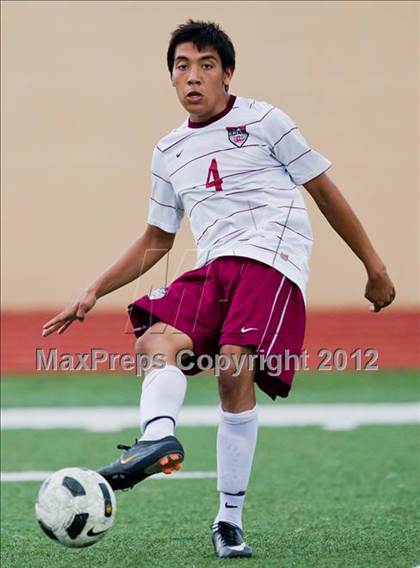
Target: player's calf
236	382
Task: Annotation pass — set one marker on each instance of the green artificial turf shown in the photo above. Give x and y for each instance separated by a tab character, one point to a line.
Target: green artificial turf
116	390
316	499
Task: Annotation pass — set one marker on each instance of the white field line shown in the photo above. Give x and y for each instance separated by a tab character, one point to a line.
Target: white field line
41	475
111	419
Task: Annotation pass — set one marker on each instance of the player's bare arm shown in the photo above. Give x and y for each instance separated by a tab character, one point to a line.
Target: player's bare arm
379	288
144	253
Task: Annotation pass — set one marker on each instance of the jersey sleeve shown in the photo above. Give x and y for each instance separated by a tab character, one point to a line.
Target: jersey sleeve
302	162
165	208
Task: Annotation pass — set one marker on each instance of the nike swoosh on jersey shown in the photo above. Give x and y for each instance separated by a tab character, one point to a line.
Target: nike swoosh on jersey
245	329
179	153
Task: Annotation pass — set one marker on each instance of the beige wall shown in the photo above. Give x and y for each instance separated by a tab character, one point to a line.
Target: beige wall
85	95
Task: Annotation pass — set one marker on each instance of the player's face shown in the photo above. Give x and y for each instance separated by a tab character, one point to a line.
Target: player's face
199	80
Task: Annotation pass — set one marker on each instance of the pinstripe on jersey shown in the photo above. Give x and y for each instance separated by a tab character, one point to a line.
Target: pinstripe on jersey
237	179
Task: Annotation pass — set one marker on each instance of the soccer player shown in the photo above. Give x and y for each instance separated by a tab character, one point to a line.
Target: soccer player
234	166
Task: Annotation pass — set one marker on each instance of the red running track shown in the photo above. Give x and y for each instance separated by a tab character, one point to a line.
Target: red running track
395	334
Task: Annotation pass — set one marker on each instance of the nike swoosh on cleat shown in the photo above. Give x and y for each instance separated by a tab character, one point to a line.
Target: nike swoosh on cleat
128	459
230	506
245	329
144	454
238	546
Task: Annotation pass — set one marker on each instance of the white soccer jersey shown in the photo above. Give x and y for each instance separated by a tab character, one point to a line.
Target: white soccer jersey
237	177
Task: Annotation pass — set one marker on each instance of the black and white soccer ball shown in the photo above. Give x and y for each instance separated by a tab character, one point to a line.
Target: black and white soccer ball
75	506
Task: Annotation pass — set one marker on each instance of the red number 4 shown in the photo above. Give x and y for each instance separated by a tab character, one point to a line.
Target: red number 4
213	177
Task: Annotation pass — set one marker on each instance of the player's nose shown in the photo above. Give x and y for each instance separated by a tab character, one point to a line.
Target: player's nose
194	76
194	80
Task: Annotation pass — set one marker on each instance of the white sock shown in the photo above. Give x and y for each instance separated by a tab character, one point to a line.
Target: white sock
162	395
236	441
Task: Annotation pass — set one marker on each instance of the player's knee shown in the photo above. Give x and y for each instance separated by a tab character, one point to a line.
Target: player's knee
146	344
231	382
235	371
163	340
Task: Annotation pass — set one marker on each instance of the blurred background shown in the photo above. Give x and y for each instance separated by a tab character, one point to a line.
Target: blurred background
86	95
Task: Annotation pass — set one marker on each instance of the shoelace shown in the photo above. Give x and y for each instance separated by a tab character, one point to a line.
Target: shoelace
125	447
228	536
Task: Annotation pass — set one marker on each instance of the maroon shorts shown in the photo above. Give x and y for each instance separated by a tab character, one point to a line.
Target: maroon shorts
237	301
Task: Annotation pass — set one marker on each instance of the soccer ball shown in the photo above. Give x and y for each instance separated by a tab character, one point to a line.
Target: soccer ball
75	506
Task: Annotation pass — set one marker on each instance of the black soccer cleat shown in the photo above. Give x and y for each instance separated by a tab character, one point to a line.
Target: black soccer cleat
228	541
143	459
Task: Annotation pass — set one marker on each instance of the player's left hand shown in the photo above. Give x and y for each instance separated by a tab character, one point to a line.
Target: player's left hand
380	291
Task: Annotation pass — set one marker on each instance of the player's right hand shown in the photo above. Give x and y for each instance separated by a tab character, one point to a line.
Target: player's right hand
76	311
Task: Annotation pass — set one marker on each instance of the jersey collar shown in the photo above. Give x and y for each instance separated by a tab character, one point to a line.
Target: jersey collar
218	116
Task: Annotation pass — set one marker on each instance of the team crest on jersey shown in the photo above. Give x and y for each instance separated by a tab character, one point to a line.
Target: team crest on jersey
158	293
237	135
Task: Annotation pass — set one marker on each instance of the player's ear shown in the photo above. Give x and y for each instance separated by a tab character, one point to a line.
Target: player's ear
227	77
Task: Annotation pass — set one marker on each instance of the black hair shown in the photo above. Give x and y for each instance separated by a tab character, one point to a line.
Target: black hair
202	35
